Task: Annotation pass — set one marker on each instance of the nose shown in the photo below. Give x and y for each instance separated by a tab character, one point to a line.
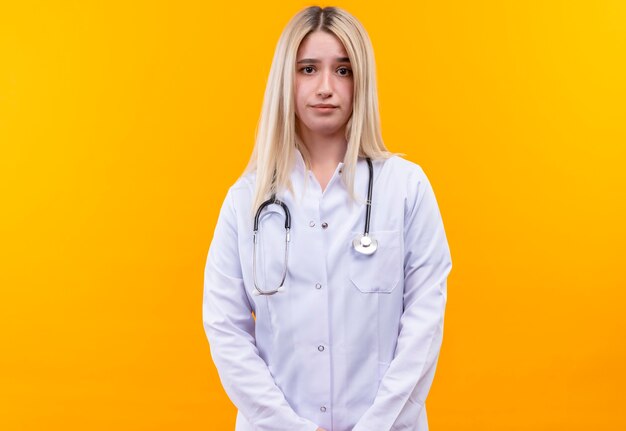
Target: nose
324	88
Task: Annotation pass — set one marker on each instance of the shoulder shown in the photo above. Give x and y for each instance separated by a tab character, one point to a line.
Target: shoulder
407	180
239	194
245	183
402	171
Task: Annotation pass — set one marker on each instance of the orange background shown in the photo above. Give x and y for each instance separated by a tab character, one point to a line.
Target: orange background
122	124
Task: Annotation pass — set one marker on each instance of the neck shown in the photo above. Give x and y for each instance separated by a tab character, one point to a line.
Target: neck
325	151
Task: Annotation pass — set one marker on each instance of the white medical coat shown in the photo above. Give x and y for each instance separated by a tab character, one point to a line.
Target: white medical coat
353	341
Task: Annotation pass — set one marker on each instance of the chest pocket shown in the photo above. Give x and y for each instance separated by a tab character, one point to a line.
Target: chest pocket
379	272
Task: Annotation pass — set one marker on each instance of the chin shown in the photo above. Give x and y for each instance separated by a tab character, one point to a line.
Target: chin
325	129
328	133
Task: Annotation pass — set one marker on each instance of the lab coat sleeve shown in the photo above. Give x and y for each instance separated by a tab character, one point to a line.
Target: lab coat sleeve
403	389
229	327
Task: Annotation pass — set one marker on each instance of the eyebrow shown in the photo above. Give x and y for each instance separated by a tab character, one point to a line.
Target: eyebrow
315	60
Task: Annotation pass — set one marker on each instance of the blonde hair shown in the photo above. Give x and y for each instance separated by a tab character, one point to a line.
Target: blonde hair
276	136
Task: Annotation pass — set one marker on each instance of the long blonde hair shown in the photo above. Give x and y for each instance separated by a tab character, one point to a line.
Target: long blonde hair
276	137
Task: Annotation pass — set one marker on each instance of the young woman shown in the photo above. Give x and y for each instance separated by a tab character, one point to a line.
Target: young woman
325	283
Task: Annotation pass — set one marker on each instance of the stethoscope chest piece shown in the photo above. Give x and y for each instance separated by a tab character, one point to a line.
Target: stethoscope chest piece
365	244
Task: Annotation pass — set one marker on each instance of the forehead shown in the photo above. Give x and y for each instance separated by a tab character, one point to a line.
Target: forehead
320	45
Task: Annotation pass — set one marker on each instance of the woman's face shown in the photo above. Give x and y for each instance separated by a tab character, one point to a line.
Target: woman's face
323	86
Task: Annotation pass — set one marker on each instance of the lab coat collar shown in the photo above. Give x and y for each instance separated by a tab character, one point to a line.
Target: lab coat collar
300	165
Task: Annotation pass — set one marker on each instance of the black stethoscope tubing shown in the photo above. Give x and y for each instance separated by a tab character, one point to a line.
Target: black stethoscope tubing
360	244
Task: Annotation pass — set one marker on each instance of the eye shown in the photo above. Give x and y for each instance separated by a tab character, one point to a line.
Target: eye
307	70
344	71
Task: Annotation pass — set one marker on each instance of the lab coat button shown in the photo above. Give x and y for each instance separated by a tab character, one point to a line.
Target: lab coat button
322	409
320	348
324	225
318	286
312	223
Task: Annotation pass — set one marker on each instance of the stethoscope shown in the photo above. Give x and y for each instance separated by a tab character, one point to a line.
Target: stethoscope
363	244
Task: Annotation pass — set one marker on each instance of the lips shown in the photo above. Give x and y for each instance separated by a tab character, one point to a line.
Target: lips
324	105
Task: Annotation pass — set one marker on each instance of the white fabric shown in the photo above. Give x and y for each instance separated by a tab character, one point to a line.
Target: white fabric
358	353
